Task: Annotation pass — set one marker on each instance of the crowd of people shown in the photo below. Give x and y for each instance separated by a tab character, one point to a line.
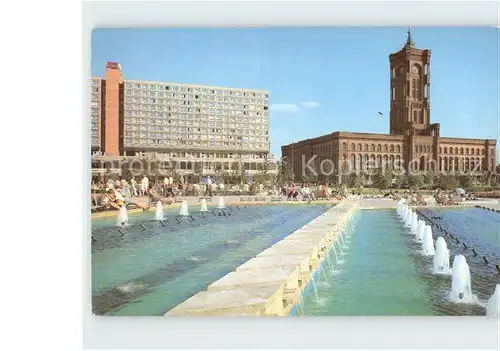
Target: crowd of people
311	192
141	192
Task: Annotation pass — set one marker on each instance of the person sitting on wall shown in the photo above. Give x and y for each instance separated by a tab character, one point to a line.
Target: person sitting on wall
292	192
307	193
114	198
155	197
325	192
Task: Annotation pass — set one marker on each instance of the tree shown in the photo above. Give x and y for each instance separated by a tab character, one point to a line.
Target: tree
352	180
466	181
401	180
429	179
415	181
447	182
285	173
382	179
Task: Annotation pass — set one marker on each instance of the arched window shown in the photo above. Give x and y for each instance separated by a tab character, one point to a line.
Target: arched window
379	147
445	150
385	148
379	160
456	151
466	150
391	160
413	89
414	116
365	161
353	146
353	161
461	151
391	148
366	147
398	148
344	146
420	117
418	91
373	147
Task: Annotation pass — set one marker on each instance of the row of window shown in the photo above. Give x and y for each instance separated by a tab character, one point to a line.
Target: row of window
194	98
461	163
197	130
178	136
145	123
373	147
196	143
460	151
148	110
424	149
184	154
182	88
412	89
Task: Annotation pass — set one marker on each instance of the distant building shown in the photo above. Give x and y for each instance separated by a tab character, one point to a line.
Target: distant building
211	127
413	141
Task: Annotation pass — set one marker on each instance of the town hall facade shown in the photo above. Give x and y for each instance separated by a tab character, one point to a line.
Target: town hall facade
413	143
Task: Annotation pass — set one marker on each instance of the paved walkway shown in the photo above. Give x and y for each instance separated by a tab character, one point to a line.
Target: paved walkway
382	203
228	200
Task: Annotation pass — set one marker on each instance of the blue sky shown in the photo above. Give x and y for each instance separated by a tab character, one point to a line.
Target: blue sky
320	80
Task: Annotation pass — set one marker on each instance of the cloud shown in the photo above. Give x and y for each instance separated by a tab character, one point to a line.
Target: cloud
309	104
293	108
285	108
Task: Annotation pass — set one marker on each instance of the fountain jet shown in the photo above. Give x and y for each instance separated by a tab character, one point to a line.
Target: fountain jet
428	242
420	230
159	211
221	204
184	209
122	216
408	218
442	257
203	205
414	224
493	306
460	279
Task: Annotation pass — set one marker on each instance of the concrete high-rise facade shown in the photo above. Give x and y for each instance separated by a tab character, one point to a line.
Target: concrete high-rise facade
183	123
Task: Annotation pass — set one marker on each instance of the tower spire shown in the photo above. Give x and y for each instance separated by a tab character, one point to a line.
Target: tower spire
409	41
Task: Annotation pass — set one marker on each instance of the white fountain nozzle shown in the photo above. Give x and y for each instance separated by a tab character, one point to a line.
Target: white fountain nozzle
441	260
493	305
184	209
461	279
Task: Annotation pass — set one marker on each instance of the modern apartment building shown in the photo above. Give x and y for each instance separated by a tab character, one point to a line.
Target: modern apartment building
185	124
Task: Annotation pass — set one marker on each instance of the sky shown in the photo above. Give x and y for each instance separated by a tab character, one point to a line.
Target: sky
321	80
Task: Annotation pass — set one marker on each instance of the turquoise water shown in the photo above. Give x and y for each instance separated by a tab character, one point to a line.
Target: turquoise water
375	275
151	269
382	271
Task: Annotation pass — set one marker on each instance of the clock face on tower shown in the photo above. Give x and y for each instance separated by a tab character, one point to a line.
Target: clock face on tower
414	69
